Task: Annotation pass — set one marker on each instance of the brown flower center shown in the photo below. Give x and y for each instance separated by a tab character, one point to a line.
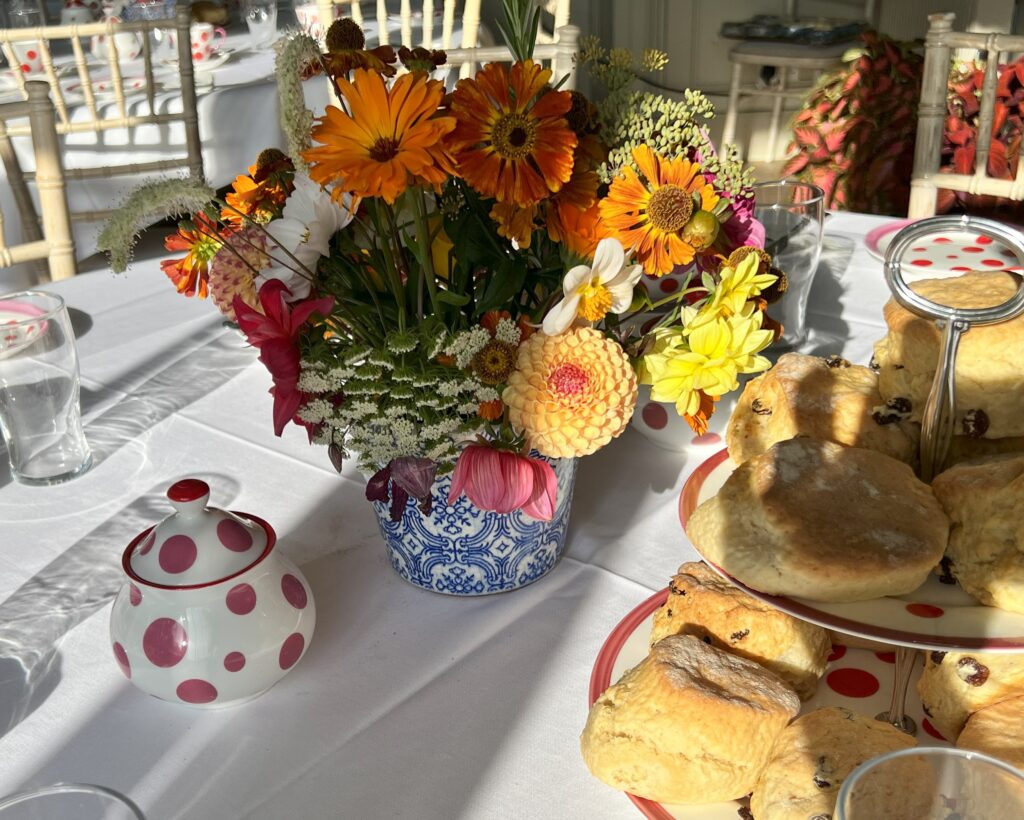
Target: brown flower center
383	149
568	380
495	362
670	208
514	135
344	35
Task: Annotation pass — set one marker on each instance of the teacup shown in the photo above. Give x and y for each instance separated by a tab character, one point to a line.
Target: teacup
308	17
206	41
129	45
30	59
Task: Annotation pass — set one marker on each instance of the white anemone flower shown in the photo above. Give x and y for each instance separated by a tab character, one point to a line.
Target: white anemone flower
309	220
591	292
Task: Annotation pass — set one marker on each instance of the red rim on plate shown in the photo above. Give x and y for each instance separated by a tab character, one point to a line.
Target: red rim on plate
688	501
601	677
875	235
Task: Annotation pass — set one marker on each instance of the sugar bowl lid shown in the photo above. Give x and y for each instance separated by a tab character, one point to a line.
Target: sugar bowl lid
197	544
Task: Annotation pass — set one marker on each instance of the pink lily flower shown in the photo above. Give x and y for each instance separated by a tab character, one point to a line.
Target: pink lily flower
275	332
502	481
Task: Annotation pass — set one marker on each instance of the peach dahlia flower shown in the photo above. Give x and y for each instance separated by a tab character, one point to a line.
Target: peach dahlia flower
572	393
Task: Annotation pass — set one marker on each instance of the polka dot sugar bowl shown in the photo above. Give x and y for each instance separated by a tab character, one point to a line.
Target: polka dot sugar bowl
211	614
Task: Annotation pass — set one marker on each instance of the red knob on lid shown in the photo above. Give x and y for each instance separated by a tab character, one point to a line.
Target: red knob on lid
188	489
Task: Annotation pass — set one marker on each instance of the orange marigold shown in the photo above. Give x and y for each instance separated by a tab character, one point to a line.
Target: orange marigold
512	141
391	140
657	215
201	241
572	393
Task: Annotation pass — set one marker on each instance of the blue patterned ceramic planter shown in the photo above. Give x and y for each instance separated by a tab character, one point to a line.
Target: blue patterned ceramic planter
462	550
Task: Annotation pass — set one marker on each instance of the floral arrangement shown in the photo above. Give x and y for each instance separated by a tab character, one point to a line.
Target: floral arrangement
454	281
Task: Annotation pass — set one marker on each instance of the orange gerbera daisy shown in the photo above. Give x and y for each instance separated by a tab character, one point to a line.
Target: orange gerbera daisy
391	140
514	222
579	230
512	141
191	273
652	215
262	193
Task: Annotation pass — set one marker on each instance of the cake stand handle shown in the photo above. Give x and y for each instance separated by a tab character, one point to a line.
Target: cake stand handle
939	416
896	715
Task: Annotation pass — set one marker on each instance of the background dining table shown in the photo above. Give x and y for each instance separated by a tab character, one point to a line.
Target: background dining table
407	703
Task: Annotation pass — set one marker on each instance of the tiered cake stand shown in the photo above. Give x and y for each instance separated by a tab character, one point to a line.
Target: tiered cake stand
938	616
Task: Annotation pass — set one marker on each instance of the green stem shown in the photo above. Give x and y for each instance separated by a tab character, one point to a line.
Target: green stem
423	236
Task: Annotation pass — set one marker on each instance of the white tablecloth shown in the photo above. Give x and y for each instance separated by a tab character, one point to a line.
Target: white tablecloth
407	704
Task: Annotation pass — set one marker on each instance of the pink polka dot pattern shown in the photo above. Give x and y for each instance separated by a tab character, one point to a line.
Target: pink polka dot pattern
241	599
177	554
983	240
654	415
921	263
992	263
164	642
852	683
134	595
233	535
707	438
291	650
196	690
122	659
234	661
925	610
973	249
886	657
942	240
294	591
147	544
837	652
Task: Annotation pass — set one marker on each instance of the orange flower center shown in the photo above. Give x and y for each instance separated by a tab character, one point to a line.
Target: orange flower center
383	149
514	135
568	380
495	362
670	208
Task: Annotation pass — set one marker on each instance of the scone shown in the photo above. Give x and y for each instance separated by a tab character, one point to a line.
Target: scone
828	399
989	376
820	521
812	758
997	730
984	499
689	724
966	448
955	685
702	603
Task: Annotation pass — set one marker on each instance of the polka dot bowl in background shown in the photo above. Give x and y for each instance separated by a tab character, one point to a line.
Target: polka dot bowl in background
660	424
214	642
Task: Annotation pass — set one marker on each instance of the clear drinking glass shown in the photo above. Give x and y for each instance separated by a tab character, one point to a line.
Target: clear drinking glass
40	417
793	215
63	801
932	783
261	17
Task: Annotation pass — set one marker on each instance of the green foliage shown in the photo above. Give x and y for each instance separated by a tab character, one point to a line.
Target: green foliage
519	28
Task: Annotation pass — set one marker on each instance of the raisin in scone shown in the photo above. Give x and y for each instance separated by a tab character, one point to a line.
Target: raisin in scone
812	758
828	399
702	603
997	730
821	521
984	501
689	724
955	685
989	363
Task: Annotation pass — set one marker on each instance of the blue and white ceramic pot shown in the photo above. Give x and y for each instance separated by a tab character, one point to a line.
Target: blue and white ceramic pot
463	550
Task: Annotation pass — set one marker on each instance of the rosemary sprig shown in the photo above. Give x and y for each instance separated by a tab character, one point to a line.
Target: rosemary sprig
519	28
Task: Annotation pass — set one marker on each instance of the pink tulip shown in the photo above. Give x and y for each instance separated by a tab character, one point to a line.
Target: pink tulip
502	481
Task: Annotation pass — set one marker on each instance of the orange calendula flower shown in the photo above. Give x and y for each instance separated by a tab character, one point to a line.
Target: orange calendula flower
515	223
580	231
491	410
261	195
512	141
191	273
699	421
662	216
390	141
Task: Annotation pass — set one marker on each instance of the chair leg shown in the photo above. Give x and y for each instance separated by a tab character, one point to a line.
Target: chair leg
729	130
773	129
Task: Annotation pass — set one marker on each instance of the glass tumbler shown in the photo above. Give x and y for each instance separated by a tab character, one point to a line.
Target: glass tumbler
793	215
261	18
40	417
63	801
932	783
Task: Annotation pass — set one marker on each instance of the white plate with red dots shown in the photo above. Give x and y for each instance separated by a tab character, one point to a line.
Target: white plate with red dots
859	679
945	253
936	615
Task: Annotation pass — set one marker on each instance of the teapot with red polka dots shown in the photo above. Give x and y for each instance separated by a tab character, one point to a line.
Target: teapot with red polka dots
211	614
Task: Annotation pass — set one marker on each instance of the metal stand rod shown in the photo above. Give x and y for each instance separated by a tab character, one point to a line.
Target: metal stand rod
896	715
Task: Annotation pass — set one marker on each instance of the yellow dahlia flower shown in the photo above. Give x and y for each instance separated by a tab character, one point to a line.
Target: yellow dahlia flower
572	393
708	360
